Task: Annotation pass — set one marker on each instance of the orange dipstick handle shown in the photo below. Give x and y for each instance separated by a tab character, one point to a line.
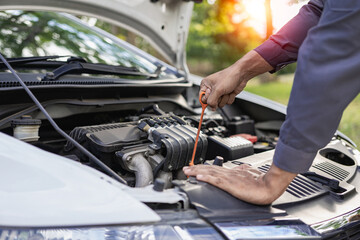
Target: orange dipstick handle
203	105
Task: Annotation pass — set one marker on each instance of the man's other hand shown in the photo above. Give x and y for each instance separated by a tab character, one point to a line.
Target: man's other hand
245	182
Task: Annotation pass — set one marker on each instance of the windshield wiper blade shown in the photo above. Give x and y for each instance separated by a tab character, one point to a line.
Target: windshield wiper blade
78	65
24	60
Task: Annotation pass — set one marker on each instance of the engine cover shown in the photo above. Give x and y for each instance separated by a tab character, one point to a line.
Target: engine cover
168	135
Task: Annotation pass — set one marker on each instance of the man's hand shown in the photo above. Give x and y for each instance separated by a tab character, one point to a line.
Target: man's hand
245	182
222	87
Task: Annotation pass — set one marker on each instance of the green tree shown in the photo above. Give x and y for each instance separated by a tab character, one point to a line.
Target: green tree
219	35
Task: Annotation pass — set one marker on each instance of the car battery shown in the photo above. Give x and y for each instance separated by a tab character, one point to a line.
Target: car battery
229	148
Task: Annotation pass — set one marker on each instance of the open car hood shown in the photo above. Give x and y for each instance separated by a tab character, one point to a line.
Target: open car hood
164	23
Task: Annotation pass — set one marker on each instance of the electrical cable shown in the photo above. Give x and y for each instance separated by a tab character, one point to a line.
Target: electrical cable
59	130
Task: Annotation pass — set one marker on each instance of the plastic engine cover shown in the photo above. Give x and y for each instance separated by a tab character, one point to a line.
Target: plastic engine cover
179	140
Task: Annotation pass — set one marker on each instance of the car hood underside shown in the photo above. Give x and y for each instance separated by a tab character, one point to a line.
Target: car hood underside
163	23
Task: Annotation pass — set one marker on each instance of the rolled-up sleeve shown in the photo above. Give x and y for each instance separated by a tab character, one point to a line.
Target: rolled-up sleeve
282	48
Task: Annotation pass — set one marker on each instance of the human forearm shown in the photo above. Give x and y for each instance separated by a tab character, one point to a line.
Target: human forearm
282	48
276	181
222	87
252	65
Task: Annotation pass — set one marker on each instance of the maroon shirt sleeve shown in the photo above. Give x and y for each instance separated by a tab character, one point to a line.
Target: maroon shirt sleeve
282	47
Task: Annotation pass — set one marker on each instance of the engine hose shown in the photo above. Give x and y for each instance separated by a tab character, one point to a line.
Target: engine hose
142	169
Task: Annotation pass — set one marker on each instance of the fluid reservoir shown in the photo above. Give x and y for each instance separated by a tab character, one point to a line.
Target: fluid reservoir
26	128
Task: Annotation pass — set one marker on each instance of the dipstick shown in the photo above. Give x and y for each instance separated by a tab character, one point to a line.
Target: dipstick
203	105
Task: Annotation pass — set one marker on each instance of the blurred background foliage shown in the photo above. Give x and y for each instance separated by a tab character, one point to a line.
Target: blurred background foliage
221	32
215	41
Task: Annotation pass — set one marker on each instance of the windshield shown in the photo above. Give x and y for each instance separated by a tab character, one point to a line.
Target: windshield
27	34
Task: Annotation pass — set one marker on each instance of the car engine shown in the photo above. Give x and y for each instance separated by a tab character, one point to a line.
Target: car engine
159	146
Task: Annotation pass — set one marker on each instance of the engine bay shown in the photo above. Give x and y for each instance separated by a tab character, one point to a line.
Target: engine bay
143	141
147	142
160	146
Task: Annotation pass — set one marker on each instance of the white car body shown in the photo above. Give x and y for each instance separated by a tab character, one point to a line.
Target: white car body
43	190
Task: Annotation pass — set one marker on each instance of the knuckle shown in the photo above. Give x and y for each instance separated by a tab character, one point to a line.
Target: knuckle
218	181
218	90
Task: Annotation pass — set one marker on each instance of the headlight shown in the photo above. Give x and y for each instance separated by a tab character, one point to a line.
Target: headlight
189	230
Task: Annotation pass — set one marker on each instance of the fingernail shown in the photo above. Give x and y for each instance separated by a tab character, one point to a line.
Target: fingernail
199	176
184	168
187	170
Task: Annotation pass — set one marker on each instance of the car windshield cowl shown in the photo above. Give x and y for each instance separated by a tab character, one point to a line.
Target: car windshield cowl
78	65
